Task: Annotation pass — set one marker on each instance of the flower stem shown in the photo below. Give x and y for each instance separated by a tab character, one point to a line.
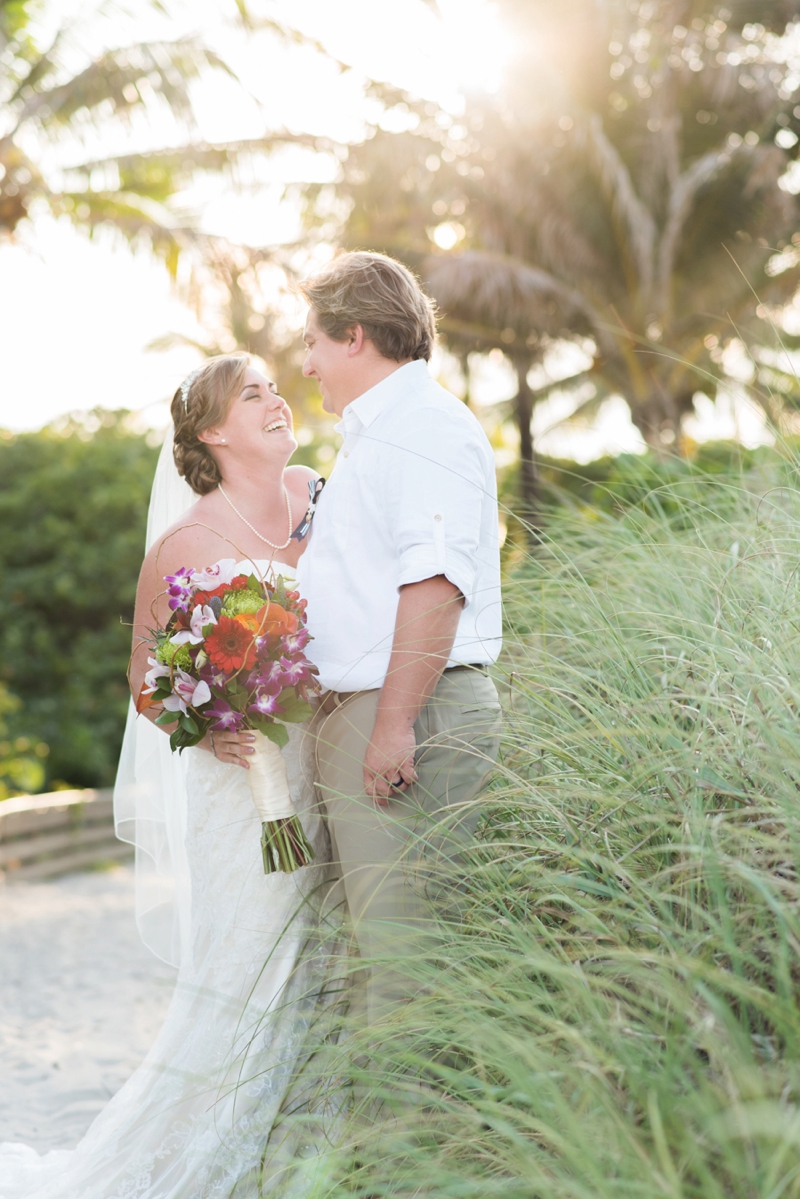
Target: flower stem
284	846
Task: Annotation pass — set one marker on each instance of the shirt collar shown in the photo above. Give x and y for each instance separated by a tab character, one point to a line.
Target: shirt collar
373	402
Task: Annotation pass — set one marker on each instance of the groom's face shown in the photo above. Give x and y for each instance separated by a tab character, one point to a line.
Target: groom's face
332	364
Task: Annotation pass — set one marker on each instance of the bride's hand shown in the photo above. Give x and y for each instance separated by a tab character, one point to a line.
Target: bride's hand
229	747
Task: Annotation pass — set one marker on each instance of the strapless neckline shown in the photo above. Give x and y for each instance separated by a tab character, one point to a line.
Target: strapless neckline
264	565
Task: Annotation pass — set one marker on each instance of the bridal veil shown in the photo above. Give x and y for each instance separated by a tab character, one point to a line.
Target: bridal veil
150	791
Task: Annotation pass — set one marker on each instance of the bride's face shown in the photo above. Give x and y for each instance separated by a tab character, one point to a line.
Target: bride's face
258	420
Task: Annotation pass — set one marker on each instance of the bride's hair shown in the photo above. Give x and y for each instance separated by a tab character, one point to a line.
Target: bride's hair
201	402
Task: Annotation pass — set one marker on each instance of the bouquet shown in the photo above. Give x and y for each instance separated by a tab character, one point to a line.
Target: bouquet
232	656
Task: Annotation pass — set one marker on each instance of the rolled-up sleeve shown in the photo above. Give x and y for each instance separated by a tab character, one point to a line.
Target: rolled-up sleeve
436	483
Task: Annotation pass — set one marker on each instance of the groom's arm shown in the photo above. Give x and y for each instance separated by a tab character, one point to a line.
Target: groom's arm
433	480
425	629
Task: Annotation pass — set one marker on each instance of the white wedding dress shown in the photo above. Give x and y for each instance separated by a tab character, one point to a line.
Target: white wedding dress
197	1116
219	1106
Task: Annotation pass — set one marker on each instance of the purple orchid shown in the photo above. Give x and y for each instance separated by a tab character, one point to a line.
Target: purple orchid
294	672
293	643
179	588
267	676
265	704
213	675
225	717
187	692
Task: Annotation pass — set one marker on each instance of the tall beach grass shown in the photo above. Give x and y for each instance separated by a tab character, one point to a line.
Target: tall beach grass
617	1010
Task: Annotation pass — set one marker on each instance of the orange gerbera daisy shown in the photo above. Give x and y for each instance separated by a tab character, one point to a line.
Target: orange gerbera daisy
230	646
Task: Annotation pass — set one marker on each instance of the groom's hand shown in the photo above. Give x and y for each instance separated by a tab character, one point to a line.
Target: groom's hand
389	759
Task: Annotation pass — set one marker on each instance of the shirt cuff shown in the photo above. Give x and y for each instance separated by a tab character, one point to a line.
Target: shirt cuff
424	562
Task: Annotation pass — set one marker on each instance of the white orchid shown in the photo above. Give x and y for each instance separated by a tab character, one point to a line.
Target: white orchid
218	575
201	618
187	692
158	671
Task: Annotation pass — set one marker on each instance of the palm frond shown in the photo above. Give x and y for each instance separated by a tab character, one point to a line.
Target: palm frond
172	341
40	65
504	293
118	76
681	199
181	162
633	216
135	217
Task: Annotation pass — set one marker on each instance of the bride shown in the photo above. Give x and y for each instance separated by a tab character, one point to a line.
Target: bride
206	1114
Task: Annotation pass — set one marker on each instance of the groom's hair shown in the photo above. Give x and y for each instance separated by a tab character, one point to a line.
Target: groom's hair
381	295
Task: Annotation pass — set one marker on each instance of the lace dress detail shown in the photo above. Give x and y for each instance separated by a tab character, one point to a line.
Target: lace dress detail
195	1119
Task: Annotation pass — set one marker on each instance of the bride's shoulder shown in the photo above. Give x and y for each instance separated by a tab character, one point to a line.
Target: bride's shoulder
297	479
182	542
298	475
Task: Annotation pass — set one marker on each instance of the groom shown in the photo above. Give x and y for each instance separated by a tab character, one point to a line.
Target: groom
402	578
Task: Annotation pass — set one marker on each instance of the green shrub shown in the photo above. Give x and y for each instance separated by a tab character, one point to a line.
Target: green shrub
73	507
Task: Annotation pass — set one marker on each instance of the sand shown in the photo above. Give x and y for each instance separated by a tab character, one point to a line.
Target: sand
81	1001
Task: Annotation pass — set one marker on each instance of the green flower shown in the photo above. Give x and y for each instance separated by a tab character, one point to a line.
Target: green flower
174	655
236	602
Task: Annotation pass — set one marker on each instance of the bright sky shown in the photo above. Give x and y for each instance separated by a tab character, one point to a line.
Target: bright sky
88	310
91	308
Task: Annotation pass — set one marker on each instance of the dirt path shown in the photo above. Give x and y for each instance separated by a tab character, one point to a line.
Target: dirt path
81	1000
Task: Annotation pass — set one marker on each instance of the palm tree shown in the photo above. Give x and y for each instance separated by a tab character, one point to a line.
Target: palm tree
622	190
49	106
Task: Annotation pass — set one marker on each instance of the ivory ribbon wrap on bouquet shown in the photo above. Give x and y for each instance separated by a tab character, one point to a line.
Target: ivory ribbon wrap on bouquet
268	782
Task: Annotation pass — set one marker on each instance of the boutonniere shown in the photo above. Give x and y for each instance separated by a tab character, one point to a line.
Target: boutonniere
314	492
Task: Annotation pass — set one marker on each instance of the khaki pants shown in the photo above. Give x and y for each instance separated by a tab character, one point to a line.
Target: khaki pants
396	861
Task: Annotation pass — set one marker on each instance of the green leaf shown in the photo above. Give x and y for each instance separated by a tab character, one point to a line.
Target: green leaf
188	724
294	709
255	584
166	718
238	698
177	740
280	591
275	732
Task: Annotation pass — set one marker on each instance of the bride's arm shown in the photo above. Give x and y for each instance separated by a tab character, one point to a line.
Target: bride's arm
152	609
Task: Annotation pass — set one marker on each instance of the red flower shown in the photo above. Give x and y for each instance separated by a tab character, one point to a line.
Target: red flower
230	646
202	597
239	583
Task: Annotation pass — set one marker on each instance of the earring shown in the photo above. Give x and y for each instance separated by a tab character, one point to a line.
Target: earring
223	441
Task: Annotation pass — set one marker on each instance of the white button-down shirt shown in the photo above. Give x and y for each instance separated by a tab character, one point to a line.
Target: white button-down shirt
413	495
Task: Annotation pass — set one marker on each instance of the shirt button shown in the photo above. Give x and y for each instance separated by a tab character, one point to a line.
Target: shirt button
437	516
346	454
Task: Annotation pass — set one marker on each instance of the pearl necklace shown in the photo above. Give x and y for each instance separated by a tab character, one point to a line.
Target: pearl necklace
266	540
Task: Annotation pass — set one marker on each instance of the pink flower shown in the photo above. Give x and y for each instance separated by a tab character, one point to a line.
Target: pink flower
294	672
265	704
202	617
187	692
224	716
267	675
179	588
296	641
158	671
218	575
213	676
